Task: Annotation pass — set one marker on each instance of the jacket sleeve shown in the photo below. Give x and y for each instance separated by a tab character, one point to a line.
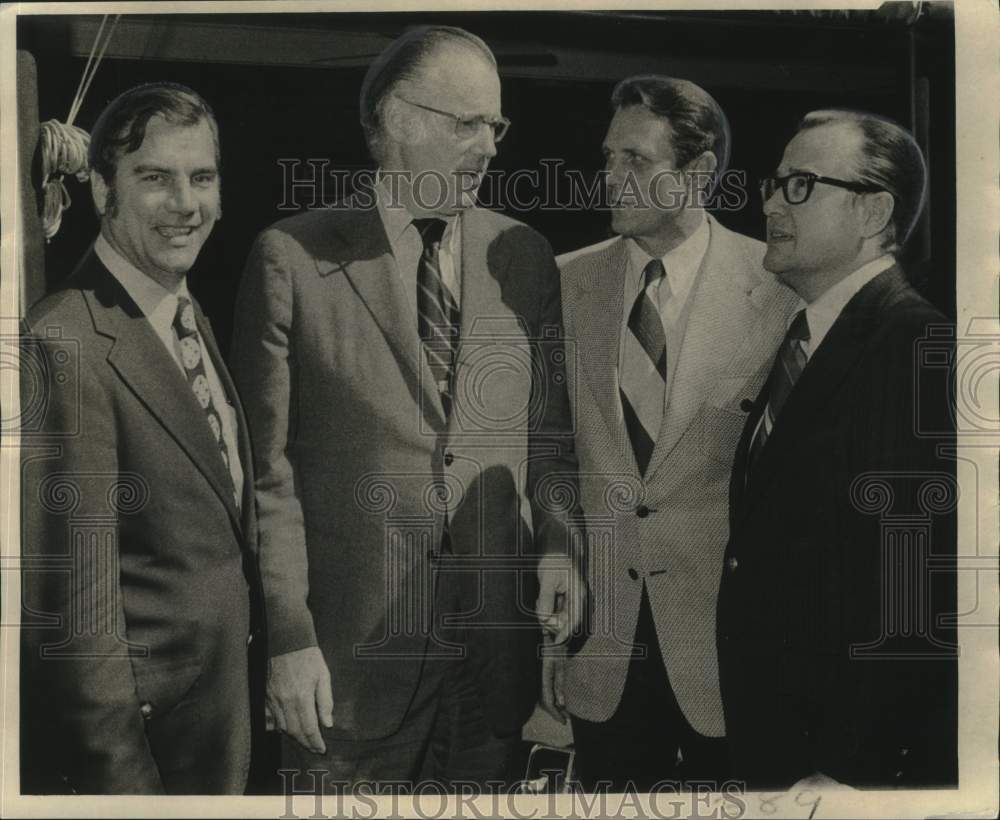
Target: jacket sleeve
264	368
80	706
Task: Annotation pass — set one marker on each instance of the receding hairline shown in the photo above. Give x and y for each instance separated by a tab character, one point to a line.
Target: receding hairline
435	62
849	125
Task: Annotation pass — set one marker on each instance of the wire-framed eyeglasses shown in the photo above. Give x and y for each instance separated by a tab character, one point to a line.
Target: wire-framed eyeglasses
468	127
798	187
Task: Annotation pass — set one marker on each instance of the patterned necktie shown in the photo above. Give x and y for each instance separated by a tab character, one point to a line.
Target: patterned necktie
437	310
644	375
788	366
186	329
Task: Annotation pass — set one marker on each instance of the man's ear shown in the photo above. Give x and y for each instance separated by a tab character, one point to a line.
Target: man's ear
700	172
705	163
878	208
99	191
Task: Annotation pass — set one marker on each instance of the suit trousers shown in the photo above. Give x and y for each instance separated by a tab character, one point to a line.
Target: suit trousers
647	743
445	737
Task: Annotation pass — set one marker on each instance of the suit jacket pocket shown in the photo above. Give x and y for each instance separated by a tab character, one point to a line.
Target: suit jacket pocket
161	684
720	432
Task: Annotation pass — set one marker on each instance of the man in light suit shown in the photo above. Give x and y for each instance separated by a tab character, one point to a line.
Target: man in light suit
402	361
836	632
676	321
137	507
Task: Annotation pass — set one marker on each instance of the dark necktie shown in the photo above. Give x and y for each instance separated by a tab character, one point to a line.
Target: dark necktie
644	375
186	328
437	311
788	366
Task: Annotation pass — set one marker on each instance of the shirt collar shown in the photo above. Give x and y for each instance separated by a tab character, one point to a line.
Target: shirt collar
823	312
680	263
157	304
396	219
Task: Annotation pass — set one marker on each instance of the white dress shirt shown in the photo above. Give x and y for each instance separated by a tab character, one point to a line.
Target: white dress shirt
673	293
159	306
823	312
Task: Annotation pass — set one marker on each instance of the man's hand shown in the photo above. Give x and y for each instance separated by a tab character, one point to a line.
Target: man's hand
562	595
553	672
299	696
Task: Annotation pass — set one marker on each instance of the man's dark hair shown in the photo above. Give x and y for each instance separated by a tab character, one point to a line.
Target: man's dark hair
697	122
889	159
401	61
121	128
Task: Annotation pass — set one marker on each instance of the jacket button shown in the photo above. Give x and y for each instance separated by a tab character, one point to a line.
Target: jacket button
632	573
449	459
732	563
746	405
146	710
904	752
642	511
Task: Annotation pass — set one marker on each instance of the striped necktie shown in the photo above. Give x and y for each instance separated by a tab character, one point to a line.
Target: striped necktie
788	366
644	375
437	310
186	328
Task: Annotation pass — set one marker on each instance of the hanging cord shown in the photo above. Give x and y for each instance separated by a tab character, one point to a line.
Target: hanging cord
64	145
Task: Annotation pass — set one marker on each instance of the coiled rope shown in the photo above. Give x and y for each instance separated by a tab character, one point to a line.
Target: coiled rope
64	145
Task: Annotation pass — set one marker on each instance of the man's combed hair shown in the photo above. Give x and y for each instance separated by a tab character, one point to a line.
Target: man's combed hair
697	122
402	61
890	159
121	128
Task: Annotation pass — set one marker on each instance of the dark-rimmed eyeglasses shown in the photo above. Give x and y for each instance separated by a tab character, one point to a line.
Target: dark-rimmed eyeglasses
798	187
467	127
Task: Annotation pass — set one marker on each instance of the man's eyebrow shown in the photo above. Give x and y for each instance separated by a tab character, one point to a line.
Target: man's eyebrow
146	169
158	169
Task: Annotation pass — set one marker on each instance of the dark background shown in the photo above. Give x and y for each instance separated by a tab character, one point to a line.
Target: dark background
275	101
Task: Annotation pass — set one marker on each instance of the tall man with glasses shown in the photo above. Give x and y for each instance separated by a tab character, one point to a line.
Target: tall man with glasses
675	321
836	656
402	361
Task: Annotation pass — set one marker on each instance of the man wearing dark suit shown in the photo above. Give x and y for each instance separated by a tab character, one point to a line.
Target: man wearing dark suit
668	361
836	657
137	515
401	359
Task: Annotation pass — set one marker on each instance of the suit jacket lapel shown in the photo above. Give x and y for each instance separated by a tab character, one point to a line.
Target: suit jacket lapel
484	264
598	342
826	371
724	318
362	252
738	477
143	363
242	434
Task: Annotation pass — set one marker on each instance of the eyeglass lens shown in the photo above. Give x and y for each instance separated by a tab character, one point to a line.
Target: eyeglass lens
795	188
466	129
